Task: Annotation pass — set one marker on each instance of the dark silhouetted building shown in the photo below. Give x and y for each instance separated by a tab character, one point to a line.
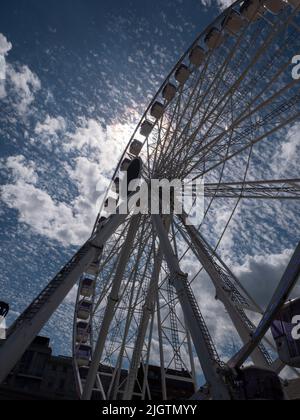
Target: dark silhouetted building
41	376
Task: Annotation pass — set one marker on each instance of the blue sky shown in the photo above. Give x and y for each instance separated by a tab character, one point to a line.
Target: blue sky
79	75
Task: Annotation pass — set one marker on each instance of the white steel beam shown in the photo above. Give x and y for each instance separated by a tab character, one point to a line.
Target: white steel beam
243	325
112	302
284	189
281	295
207	354
31	322
148	312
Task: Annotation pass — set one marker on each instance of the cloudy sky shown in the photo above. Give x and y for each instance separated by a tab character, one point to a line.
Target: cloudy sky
75	76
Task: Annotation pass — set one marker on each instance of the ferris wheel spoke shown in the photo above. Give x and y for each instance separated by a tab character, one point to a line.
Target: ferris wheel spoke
112	302
230	94
167	143
218	74
132	276
242	118
243	92
205	215
197	90
147	314
241	144
284	189
205	148
212	91
107	279
224	99
132	304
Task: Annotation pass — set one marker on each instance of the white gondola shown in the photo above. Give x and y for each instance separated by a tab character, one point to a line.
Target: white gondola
146	128
182	74
117	185
83	332
84	310
157	110
87	287
214	39
83	355
251	10
135	148
234	23
93	269
4	309
125	165
169	92
275	6
197	56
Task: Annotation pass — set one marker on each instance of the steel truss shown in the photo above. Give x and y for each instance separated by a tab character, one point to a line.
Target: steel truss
285	189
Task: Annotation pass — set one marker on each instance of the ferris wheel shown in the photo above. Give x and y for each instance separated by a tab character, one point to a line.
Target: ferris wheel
227	99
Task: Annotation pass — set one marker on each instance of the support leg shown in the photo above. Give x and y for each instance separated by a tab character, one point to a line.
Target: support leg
203	343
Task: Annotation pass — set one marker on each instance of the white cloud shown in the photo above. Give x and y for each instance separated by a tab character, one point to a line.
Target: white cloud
50	132
21	169
24	84
289	148
261	274
51	126
221	4
87	176
101	144
5	45
69	223
38	210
